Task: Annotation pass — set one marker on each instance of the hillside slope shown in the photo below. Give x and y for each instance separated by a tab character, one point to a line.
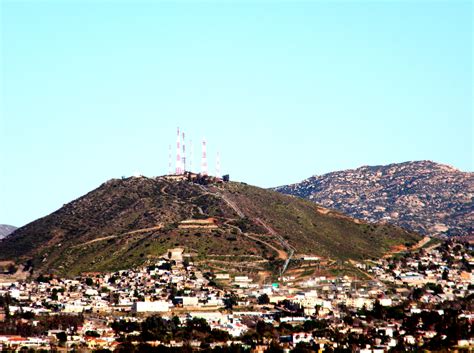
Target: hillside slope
422	196
128	222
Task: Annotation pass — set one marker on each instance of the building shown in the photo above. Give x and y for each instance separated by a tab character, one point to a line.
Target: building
144	307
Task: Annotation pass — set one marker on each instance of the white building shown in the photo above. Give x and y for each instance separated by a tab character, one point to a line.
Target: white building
158	306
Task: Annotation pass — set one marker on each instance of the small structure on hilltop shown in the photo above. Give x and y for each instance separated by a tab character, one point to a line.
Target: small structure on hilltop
198	178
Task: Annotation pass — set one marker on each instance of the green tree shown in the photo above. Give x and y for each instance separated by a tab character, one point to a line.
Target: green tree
62	337
263	299
230	301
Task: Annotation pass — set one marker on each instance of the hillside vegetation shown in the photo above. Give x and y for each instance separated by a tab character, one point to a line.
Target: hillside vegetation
128	222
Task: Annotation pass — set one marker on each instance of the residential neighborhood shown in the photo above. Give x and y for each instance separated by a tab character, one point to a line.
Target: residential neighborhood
409	301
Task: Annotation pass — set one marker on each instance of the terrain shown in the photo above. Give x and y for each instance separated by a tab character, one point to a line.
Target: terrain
422	196
221	226
5	230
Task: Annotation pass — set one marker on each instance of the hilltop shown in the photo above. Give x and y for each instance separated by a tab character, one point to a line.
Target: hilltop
224	227
5	230
422	196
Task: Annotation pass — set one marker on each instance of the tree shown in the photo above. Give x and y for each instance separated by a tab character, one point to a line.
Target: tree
43	279
54	294
274	348
263	299
62	337
92	333
219	335
264	329
378	310
417	293
154	328
12	269
303	347
312	325
230	300
198	324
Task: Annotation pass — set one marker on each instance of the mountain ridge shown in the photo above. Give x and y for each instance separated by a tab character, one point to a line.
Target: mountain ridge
421	196
5	230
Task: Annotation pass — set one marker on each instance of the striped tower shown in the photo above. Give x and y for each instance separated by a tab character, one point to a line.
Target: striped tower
204	158
178	155
190	156
170	171
218	165
184	155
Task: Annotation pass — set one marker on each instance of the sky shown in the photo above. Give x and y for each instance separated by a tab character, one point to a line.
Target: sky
94	90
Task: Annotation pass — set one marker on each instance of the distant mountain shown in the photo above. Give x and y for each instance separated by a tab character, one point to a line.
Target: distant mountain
226	226
422	196
5	230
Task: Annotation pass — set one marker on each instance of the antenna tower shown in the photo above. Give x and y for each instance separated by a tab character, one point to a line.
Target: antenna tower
204	158
191	156
218	165
169	161
184	155
178	154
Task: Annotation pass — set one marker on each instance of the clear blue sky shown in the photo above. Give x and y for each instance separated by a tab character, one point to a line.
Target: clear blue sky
92	90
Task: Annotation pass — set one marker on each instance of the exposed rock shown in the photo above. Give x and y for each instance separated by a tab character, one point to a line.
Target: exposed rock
422	196
6	230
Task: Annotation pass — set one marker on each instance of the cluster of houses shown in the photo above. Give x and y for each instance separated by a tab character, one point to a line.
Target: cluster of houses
175	287
447	266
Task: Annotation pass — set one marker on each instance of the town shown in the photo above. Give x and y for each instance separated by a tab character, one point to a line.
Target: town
409	301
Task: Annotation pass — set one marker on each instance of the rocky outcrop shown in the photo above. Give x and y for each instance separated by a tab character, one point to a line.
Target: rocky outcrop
422	196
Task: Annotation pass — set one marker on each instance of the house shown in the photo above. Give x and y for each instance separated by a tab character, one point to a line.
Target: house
157	306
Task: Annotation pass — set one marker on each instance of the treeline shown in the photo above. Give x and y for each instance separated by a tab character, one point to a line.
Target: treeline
22	324
204	348
156	328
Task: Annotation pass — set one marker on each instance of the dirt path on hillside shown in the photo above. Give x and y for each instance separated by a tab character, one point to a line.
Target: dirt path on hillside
289	249
281	254
401	248
229	203
143	230
421	243
286	254
434	246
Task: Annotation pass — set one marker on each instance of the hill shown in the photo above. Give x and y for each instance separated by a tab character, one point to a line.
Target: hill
225	227
5	230
422	196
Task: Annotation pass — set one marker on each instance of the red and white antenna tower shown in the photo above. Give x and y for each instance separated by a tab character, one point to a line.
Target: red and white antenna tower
169	161
178	154
184	155
218	165
204	158
190	156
